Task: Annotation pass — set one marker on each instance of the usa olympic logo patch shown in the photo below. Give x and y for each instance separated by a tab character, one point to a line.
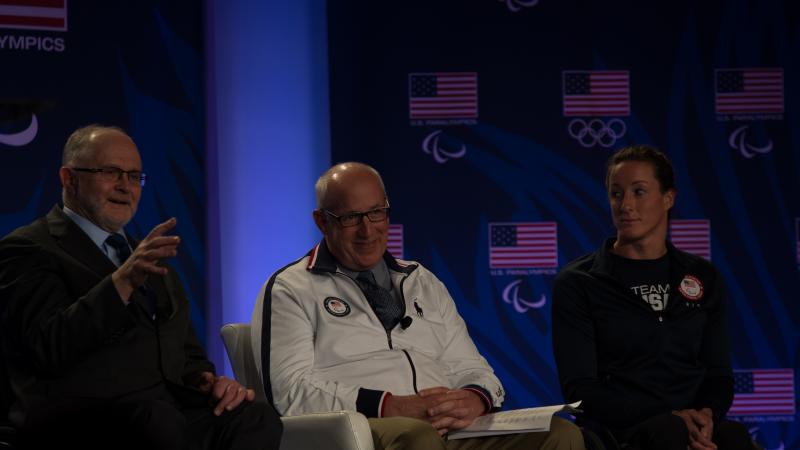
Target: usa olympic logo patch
337	307
691	288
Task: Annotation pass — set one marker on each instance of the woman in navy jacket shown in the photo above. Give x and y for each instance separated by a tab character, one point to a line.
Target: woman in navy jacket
639	327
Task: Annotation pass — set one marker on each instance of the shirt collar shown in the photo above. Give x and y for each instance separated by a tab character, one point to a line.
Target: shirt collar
320	259
380	272
95	233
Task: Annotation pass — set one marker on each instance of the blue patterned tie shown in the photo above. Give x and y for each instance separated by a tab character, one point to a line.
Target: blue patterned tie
118	243
388	310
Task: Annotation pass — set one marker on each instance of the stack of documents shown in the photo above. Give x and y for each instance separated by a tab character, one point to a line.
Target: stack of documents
526	420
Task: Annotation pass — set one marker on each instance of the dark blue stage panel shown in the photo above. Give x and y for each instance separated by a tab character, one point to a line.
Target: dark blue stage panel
491	122
137	65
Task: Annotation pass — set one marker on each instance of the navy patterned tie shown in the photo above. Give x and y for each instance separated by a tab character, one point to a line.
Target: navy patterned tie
388	310
118	243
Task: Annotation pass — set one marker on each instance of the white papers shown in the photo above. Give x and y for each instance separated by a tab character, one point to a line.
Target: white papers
526	420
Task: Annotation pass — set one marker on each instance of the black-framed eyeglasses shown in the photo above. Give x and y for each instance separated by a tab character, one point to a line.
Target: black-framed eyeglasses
113	174
355	218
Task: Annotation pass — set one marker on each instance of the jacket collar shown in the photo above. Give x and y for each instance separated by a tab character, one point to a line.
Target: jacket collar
604	263
77	243
321	260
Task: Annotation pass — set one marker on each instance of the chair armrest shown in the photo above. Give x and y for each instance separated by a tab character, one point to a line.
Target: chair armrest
7	437
338	430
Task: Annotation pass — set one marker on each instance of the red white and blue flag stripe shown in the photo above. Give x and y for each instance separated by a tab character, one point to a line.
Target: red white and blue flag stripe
596	93
395	242
523	245
749	91
692	236
443	95
763	392
46	15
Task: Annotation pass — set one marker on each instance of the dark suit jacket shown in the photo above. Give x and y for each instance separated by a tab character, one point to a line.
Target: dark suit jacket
67	334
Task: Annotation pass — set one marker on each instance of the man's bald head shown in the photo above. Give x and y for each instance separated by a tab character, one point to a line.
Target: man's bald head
79	144
96	176
339	174
350	191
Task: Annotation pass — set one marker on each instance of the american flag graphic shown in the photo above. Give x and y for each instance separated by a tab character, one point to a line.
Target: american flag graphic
742	91
596	93
48	15
692	236
763	392
523	245
448	95
395	242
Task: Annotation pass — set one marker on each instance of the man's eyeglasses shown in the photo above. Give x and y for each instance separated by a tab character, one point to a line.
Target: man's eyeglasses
355	218
113	174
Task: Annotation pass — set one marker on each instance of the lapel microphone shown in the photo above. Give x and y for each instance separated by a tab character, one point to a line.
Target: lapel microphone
405	322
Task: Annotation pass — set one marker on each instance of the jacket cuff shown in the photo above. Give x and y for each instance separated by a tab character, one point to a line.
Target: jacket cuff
384	402
371	402
483	394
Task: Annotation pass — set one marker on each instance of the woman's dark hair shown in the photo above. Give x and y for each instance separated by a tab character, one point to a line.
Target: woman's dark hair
662	167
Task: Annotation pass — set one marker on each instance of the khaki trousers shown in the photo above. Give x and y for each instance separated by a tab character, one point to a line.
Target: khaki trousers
403	433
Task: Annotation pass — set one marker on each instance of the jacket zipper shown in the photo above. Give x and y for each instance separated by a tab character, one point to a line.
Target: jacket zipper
389	332
408	356
413	372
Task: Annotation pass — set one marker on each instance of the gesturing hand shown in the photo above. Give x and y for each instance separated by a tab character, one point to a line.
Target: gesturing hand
144	259
452	409
701	427
225	393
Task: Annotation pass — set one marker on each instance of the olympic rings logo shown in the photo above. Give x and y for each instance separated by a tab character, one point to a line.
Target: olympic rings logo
597	132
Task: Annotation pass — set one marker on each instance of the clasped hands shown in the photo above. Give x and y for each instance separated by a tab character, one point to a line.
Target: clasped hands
225	393
446	409
700	424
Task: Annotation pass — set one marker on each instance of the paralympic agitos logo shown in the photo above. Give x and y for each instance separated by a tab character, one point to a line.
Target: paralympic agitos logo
23	137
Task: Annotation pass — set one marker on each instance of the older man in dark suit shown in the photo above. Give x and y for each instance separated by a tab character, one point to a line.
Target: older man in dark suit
96	335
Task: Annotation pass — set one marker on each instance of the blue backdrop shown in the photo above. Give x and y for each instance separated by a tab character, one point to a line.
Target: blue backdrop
494	118
137	65
488	119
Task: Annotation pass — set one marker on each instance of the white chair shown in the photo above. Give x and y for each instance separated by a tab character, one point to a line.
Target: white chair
339	430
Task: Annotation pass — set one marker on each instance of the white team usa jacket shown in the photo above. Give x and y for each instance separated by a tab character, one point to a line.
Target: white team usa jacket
322	348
